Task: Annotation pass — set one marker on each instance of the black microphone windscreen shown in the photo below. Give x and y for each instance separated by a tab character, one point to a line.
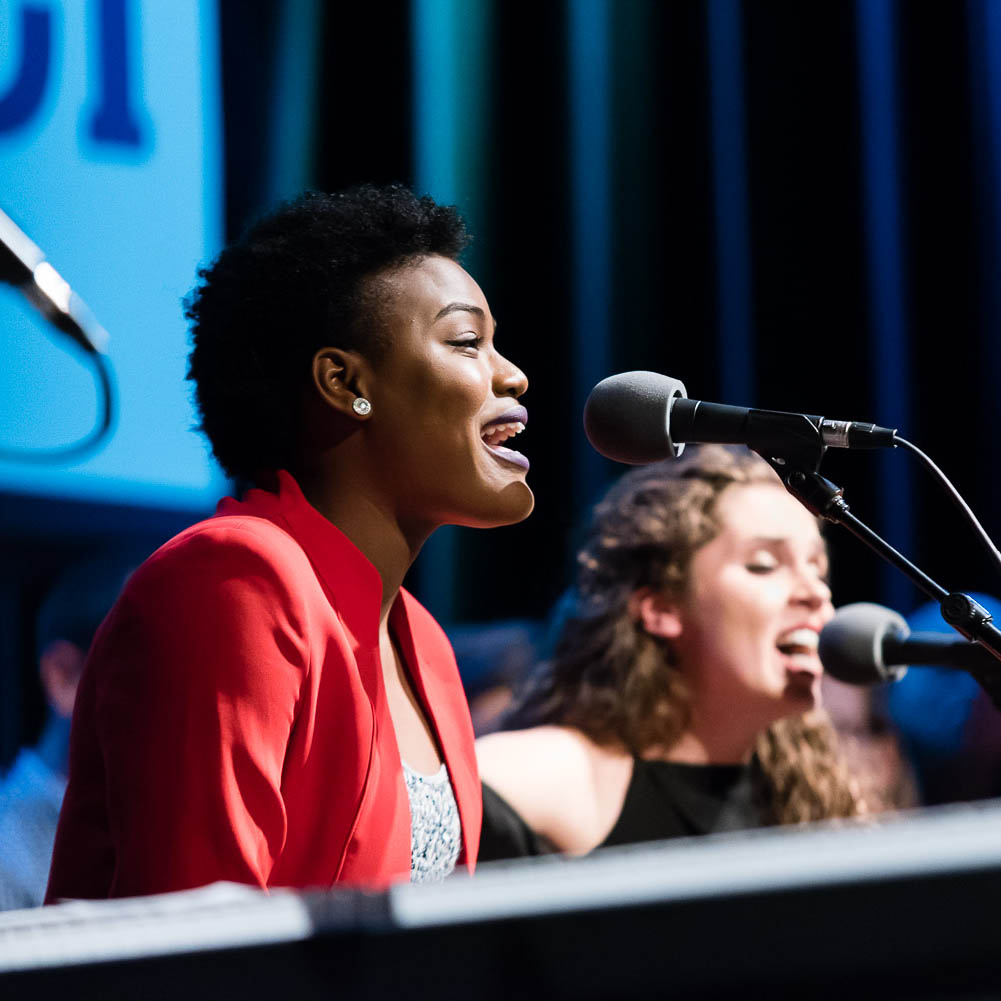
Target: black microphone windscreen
851	644
627	417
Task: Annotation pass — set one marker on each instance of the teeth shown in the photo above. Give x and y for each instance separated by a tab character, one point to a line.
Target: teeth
497	433
799	639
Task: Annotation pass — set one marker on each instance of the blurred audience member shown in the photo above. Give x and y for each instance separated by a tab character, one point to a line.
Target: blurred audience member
951	730
870	745
32	790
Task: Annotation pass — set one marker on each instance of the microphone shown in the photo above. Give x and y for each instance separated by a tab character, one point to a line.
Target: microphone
865	644
641	417
24	266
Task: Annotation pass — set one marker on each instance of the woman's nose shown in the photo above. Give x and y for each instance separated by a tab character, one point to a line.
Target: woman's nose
813	591
509	380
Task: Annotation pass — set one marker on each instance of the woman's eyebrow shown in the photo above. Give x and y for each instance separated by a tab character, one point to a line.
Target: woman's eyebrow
780	540
459	307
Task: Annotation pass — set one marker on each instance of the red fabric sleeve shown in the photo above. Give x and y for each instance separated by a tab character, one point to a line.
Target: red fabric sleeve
198	676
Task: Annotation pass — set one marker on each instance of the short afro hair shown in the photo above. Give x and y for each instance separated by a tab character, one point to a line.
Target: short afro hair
296	281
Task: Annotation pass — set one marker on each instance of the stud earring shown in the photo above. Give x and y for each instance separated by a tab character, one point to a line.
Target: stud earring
361	406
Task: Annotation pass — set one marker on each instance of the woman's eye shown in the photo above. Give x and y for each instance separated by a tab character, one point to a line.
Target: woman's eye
471	341
761	566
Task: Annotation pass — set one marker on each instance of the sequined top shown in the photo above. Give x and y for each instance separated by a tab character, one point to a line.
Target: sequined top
435	831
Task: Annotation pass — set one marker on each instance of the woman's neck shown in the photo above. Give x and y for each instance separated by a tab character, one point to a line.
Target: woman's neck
695	749
712	738
718	731
370	526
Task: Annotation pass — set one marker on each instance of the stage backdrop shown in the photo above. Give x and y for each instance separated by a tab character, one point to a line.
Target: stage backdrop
110	160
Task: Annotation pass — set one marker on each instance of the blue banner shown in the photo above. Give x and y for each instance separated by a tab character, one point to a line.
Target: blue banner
110	161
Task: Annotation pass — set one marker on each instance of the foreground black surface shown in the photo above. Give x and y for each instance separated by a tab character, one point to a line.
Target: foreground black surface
905	910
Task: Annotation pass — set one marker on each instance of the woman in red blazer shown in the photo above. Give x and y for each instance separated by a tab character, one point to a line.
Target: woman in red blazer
266	703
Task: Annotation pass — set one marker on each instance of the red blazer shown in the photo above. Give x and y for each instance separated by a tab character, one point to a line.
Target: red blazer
232	723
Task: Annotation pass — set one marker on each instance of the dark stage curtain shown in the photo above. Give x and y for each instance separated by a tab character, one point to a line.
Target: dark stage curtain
785	205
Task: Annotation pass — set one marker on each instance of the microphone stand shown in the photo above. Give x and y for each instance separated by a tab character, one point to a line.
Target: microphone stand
798	472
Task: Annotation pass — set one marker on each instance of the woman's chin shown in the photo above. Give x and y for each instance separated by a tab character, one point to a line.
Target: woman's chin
522	501
802	691
514	502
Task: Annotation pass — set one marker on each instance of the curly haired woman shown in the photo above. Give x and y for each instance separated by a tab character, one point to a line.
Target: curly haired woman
683	694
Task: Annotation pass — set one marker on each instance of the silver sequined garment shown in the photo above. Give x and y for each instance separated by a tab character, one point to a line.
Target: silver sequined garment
435	831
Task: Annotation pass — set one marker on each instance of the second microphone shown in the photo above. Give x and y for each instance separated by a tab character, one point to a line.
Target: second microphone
640	417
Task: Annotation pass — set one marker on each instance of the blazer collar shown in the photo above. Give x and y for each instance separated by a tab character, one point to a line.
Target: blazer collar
350	578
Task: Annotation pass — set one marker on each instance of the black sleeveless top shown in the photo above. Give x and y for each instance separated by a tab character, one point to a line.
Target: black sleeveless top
504	833
664	799
668	799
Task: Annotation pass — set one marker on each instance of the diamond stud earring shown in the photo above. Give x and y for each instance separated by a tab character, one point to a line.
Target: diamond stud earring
361	406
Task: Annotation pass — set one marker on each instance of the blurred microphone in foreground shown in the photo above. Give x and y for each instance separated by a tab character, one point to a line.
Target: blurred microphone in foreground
23	265
865	644
949	726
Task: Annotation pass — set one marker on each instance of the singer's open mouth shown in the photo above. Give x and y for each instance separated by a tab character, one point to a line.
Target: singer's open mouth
502	428
496	433
801	641
507	455
799	648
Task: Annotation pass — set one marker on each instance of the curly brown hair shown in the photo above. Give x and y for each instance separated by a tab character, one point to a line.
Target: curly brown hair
620	685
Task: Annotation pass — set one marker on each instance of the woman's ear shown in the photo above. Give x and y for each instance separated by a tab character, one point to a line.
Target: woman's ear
341	378
656	613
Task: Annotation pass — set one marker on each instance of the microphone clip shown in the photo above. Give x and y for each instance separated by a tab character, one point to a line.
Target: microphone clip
816	493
